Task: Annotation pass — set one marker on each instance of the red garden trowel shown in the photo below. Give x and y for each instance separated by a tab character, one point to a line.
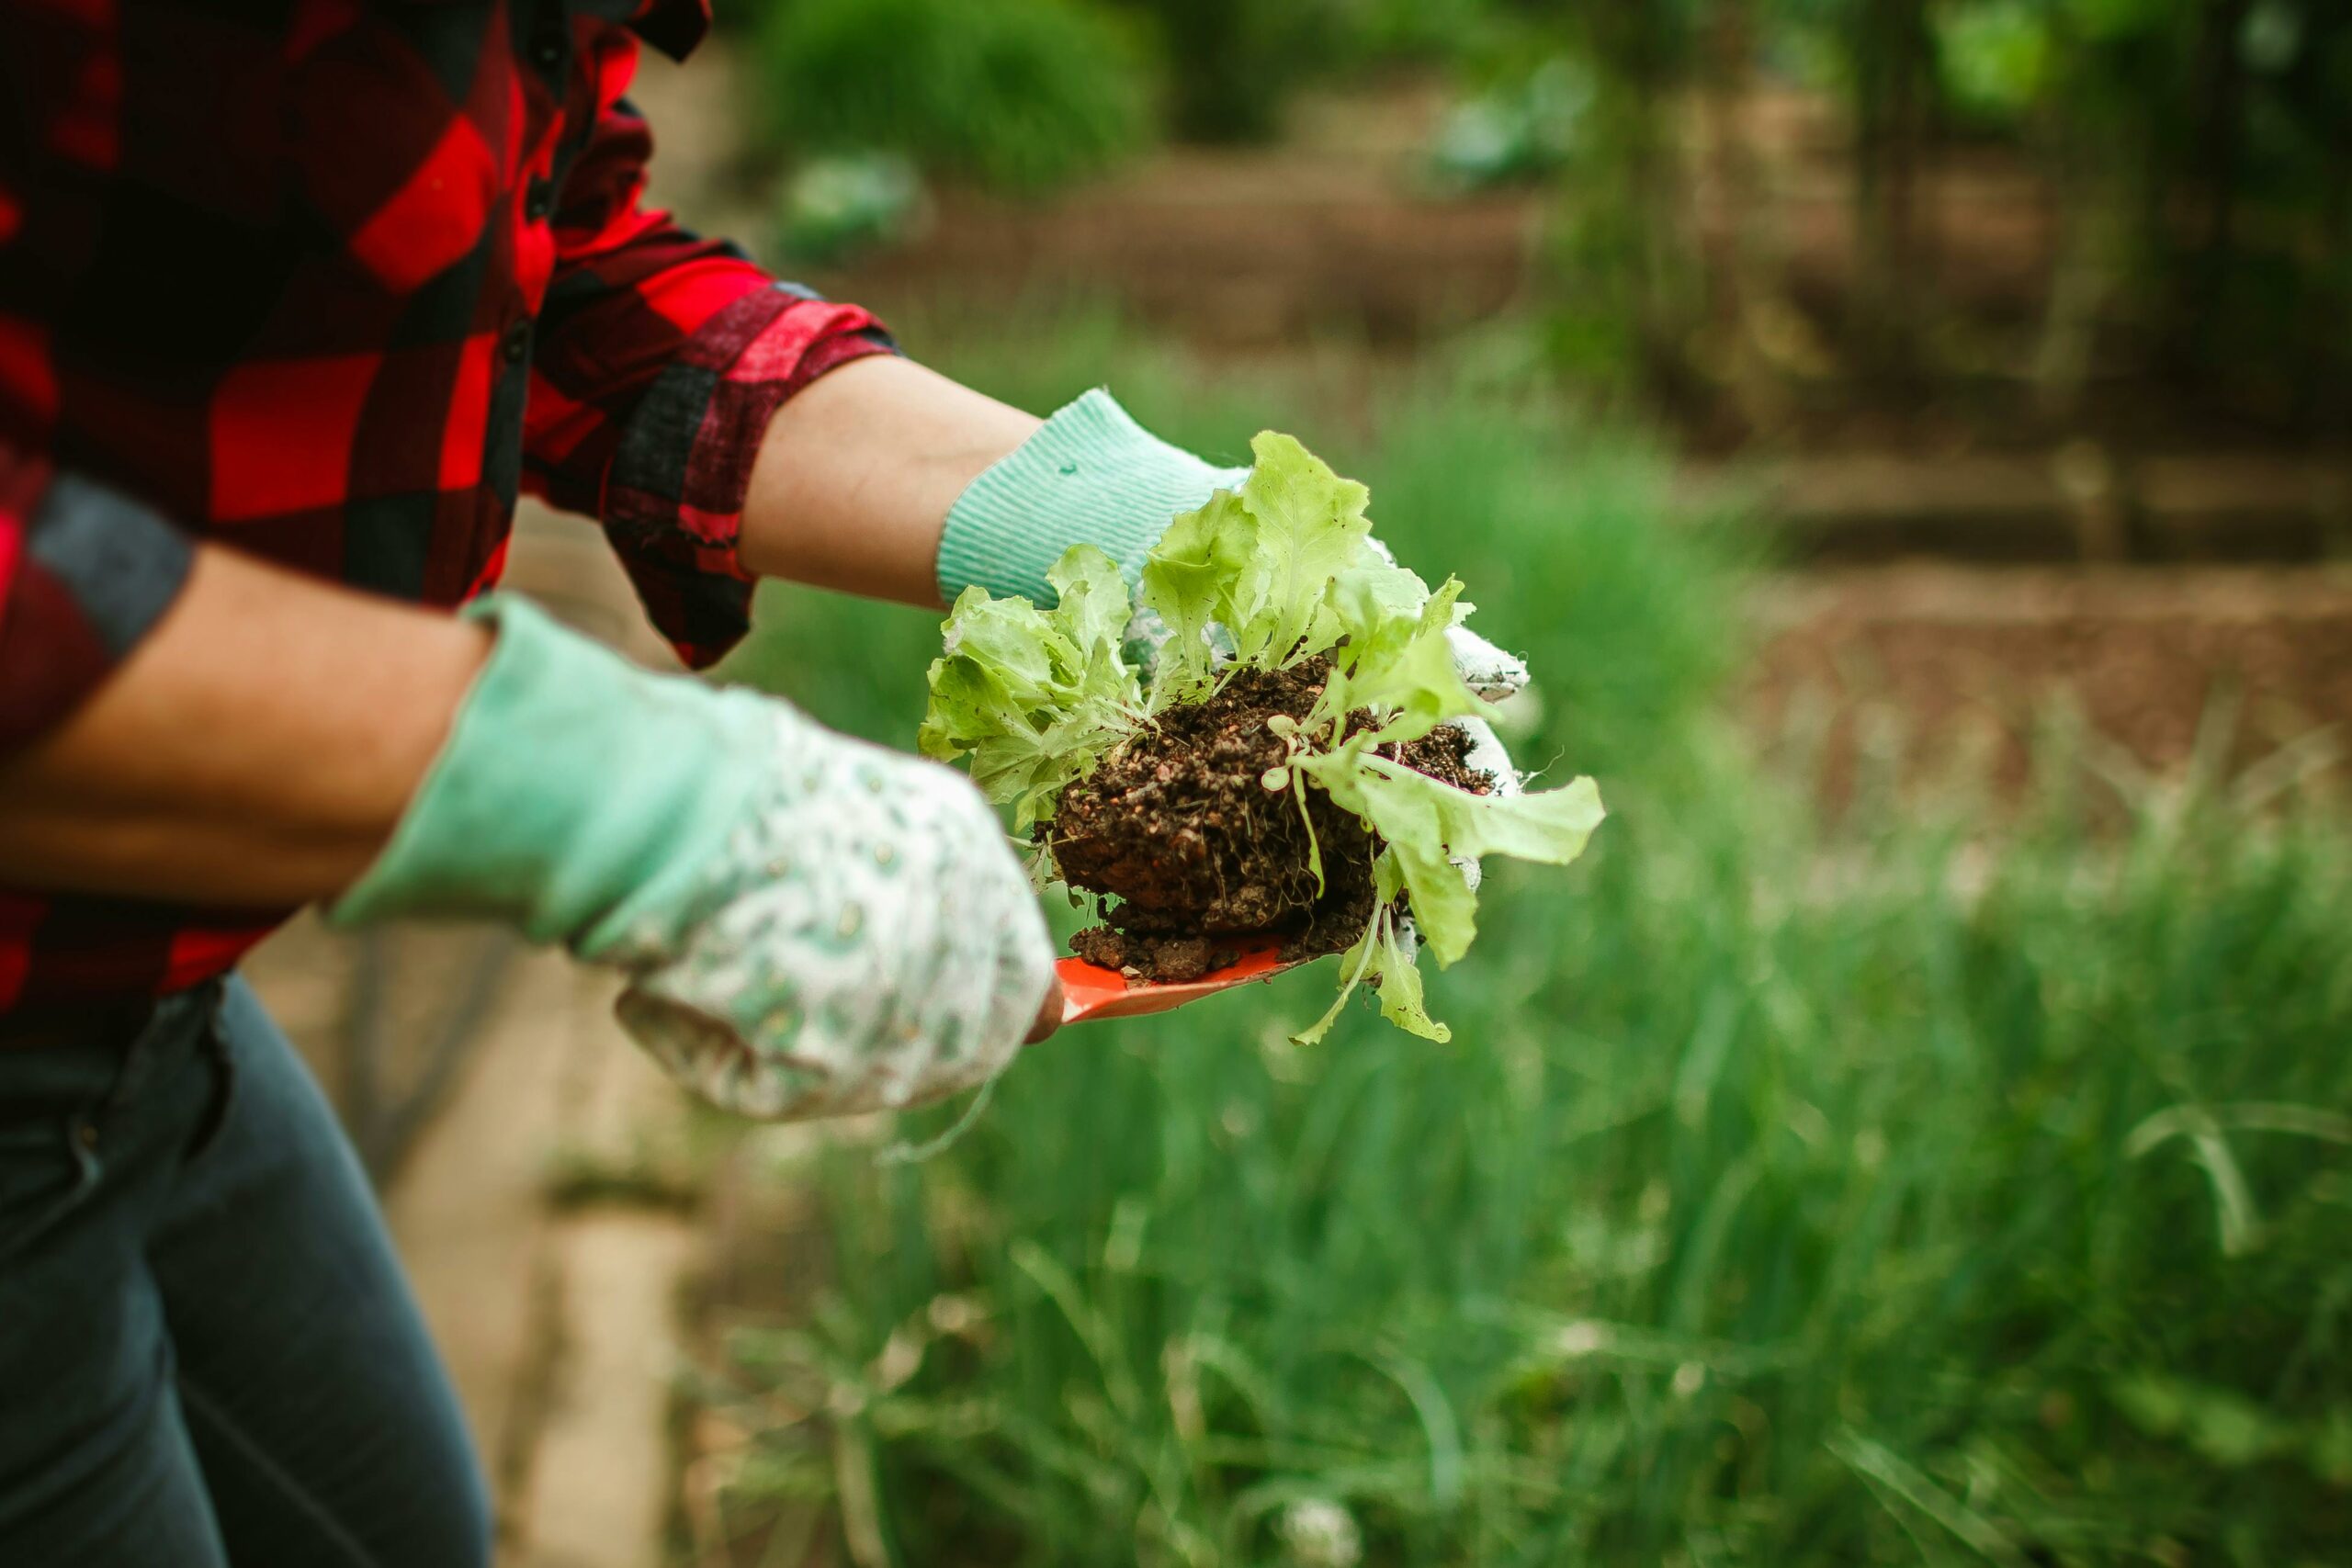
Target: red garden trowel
1089	990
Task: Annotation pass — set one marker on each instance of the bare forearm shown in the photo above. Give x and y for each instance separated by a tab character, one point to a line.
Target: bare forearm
256	749
857	472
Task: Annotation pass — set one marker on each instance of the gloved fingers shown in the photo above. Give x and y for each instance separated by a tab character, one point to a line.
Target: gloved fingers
1026	992
873	942
1487	754
1147	634
708	1055
1049	1012
1486	669
1408	935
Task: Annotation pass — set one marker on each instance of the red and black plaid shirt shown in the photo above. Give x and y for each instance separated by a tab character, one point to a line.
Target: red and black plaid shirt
331	281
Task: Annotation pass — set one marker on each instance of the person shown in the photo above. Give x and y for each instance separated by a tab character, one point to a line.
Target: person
297	297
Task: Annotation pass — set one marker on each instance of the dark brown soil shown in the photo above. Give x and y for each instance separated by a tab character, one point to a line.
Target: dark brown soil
1169	958
1180	828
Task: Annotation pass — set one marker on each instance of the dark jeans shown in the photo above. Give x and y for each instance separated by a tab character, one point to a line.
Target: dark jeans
207	1354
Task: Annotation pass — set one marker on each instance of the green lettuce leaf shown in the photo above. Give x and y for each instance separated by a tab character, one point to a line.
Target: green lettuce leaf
1404	673
1310	528
1034	697
1429	825
1264	567
1186	582
1093	611
1398	664
1385	956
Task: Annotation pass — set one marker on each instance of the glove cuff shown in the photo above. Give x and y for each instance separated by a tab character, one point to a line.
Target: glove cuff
1091	475
575	799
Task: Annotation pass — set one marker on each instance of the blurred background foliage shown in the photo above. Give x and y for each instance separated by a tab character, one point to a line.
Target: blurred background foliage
2194	156
1024	95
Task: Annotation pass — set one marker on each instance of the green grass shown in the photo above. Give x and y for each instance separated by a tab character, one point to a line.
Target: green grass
1918	1189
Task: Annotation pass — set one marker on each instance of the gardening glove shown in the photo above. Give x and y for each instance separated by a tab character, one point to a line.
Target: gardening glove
809	924
1091	475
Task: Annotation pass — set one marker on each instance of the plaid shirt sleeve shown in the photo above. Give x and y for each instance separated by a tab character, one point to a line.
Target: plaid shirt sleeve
84	571
660	358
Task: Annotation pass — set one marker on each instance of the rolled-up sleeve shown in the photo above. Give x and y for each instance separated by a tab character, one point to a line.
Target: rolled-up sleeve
661	357
84	573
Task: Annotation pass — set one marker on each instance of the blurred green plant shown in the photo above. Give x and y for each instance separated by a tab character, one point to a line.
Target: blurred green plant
1623	287
1895	1189
837	205
1515	131
1232	65
2197	154
1023	95
1996	58
2200	155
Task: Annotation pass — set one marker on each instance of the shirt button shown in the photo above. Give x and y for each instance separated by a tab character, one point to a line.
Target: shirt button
538	200
517	344
546	48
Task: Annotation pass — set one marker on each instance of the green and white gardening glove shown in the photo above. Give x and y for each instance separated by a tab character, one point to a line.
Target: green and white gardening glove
809	924
1091	475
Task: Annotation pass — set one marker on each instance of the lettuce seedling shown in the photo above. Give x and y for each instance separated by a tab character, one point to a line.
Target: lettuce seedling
1269	576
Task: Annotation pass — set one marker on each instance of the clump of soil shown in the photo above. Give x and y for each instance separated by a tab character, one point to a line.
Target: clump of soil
1179	827
1166	958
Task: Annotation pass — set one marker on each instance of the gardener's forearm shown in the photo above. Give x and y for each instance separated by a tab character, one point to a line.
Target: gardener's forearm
857	472
256	749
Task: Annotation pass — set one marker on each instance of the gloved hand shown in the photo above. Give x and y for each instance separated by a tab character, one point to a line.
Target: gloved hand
1092	475
809	924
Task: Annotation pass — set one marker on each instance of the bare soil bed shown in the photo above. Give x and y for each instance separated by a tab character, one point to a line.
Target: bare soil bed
1945	664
